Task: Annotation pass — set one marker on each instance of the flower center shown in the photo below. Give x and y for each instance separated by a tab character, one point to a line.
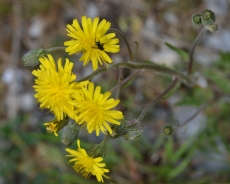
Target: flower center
89	43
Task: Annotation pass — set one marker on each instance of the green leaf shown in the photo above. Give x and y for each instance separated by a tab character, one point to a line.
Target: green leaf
181	167
169	149
195	97
134	150
184	55
219	79
223	62
183	148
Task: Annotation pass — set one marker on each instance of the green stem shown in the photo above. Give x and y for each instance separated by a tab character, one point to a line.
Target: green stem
125	40
104	140
135	57
119	83
53	49
138	65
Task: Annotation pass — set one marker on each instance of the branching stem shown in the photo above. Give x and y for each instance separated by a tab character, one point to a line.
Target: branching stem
138	65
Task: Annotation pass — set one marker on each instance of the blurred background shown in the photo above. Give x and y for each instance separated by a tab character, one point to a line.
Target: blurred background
198	153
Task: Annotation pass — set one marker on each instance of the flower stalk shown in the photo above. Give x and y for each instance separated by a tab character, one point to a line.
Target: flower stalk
191	52
125	40
142	65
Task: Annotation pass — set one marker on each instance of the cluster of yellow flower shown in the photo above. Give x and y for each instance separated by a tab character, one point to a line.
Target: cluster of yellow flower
57	90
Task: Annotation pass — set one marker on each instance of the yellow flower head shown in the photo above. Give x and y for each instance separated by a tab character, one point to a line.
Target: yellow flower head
87	165
92	41
95	109
54	126
55	85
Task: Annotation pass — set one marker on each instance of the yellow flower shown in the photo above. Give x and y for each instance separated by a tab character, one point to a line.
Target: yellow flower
54	126
95	109
92	41
55	86
87	165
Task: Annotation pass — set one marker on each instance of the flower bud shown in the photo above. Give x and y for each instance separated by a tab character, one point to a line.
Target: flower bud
196	20
97	150
131	130
168	130
118	130
54	126
133	134
208	17
70	133
212	27
31	58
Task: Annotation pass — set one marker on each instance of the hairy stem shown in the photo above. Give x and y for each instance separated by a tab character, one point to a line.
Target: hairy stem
138	65
53	49
125	40
192	49
156	100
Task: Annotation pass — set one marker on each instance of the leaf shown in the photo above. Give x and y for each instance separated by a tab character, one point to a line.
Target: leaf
134	150
221	81
181	167
183	148
195	97
184	55
168	146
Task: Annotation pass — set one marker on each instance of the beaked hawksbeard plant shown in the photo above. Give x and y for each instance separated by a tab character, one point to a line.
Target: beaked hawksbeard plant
58	90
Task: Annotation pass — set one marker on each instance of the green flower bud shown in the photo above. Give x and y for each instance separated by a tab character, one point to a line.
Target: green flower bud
133	134
70	133
119	130
31	58
208	17
97	150
128	130
212	28
168	130
196	20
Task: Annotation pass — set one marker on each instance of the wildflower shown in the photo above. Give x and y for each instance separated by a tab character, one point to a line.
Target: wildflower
95	109
87	165
54	126
92	41
55	86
